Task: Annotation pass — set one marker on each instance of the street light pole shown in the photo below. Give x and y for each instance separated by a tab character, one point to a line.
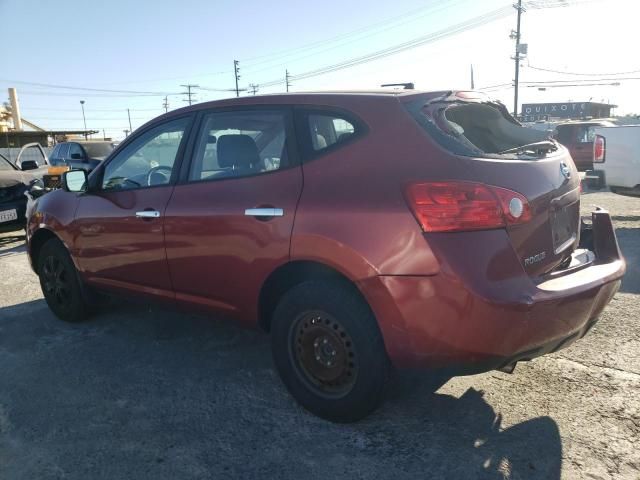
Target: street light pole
84	119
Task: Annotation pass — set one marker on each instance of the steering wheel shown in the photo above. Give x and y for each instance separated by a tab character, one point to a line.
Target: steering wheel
166	177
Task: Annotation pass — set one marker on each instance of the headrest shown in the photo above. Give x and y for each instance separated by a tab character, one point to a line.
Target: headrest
239	152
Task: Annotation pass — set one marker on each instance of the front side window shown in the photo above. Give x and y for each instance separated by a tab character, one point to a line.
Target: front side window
147	161
327	130
238	144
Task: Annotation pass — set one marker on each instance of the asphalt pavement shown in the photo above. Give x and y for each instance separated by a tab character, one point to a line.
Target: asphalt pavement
139	392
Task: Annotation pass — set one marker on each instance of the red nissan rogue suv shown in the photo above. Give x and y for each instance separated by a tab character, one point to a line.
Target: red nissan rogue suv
363	230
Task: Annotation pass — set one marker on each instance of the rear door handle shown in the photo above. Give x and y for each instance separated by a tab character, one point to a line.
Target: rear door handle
264	212
148	214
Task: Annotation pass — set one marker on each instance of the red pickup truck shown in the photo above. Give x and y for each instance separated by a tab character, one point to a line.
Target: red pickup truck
578	137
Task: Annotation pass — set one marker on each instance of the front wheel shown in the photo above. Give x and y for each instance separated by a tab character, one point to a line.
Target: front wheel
60	282
329	351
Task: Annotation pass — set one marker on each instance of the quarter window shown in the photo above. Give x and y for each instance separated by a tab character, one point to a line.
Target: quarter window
238	144
75	149
328	130
148	161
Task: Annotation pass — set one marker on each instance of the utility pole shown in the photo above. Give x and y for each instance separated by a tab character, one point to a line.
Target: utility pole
129	115
254	88
165	105
473	84
287	77
189	93
126	133
236	71
516	35
84	119
104	135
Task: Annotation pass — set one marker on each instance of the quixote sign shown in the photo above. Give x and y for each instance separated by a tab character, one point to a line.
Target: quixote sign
532	112
539	111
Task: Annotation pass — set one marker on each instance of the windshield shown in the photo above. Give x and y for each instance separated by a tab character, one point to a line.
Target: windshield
101	149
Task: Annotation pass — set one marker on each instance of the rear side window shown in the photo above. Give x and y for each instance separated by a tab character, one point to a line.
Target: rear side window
240	144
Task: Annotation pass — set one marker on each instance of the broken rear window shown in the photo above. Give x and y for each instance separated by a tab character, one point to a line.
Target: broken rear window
480	129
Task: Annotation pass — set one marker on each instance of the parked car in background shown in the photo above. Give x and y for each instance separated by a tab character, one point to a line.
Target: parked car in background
431	230
81	154
578	137
616	156
14	183
32	157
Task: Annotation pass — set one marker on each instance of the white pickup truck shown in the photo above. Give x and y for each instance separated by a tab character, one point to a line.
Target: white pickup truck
616	153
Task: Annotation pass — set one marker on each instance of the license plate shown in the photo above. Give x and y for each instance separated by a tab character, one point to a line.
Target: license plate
561	226
8	215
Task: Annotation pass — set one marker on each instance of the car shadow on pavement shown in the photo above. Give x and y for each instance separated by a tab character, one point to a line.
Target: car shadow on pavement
10	239
141	392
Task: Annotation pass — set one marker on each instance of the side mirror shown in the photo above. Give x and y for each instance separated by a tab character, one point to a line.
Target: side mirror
76	156
28	165
74	181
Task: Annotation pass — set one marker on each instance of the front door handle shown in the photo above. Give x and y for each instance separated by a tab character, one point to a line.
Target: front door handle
148	214
264	212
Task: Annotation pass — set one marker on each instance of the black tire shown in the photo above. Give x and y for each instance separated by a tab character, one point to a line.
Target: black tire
60	282
328	350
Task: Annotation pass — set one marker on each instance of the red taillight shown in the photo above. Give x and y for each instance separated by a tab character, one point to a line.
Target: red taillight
599	149
460	206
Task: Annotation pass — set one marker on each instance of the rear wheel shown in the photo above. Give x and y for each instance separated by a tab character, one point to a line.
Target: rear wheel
329	351
60	282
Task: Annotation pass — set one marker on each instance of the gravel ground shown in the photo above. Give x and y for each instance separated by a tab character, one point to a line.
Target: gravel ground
144	393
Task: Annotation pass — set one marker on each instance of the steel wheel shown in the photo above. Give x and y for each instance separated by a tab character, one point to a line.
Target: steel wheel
324	354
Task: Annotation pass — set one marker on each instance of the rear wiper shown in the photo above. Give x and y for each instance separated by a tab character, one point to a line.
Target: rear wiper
544	146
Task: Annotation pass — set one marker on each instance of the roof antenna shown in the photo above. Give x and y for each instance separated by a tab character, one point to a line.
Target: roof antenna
406	86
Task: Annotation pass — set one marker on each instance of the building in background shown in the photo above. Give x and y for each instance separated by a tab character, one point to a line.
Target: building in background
535	112
16	131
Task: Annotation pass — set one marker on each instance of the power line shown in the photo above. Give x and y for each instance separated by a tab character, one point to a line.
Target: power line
83	89
357	33
542	4
105	95
544	87
581	73
93	109
613	79
410	44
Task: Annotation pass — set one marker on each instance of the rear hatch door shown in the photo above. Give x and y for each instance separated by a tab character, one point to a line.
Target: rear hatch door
504	153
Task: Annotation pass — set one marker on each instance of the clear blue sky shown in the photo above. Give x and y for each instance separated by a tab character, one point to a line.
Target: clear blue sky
156	46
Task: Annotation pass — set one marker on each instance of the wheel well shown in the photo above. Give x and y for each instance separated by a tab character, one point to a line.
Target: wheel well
286	277
39	239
